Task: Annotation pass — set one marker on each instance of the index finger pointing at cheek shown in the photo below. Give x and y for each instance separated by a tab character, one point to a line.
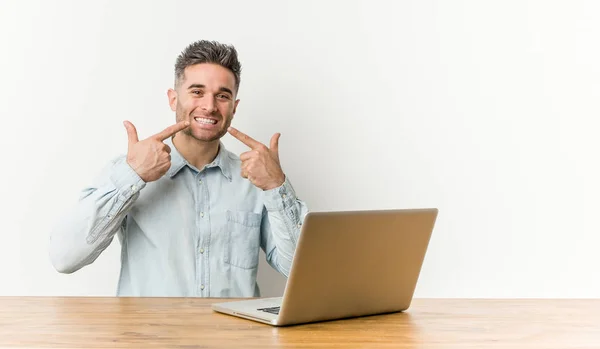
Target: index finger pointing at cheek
171	130
244	138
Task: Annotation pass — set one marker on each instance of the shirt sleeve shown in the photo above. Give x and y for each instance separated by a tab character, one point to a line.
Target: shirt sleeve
283	216
84	231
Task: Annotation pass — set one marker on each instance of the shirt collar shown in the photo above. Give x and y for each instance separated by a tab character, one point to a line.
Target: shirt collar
222	161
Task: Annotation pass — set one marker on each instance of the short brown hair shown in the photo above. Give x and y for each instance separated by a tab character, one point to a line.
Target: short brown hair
204	51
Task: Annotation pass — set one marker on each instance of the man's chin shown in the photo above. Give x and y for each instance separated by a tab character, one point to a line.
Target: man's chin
207	136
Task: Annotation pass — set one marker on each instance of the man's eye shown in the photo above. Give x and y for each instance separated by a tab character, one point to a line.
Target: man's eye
197	92
223	96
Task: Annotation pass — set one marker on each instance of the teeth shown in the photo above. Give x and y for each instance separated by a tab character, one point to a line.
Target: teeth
206	121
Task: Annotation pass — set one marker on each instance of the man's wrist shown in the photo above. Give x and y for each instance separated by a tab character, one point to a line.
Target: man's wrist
276	184
280	197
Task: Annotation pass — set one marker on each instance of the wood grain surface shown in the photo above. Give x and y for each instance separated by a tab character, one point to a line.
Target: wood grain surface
96	322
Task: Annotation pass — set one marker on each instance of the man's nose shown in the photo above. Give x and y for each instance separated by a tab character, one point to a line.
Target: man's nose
208	104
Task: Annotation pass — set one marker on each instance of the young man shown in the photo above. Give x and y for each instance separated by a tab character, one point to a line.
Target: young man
190	215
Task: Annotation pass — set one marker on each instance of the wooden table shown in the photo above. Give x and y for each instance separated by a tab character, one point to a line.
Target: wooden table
43	322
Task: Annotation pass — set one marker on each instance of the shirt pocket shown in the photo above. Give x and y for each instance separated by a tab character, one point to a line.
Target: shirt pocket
243	239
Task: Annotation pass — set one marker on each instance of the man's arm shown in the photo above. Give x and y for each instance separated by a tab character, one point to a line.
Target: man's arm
87	229
284	212
282	222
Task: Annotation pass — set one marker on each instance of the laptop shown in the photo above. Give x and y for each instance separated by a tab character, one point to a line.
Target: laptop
347	264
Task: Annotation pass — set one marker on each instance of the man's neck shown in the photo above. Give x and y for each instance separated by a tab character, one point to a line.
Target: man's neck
197	153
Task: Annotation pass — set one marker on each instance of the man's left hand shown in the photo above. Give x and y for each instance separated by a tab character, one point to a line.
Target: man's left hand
260	164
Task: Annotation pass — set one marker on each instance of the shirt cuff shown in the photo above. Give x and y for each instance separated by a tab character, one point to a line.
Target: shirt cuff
280	198
125	179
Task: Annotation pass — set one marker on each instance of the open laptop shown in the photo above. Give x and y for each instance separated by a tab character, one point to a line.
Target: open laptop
347	264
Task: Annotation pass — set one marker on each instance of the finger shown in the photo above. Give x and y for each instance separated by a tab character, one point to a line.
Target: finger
244	138
248	155
246	167
171	130
167	149
132	135
275	143
244	174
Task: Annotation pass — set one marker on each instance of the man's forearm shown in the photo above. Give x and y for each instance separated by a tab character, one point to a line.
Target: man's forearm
88	228
286	214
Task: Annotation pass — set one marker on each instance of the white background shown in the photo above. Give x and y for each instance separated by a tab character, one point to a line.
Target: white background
487	110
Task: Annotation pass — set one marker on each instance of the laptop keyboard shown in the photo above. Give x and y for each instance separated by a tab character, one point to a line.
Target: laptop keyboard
272	310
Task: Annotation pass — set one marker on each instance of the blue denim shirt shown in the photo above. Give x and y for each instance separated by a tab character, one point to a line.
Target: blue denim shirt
192	233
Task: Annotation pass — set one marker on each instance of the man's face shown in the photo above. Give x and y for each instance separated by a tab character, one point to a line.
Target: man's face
205	98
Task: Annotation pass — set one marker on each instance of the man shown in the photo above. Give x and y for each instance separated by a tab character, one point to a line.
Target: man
190	215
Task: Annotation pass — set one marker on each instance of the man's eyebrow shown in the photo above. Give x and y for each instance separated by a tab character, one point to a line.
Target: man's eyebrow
225	89
222	88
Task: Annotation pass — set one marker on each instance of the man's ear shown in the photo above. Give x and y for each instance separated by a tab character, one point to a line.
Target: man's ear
235	106
172	94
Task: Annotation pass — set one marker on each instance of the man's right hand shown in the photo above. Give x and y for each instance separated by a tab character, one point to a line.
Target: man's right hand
150	158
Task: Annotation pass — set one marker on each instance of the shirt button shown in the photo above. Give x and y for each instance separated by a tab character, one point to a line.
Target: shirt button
201	250
201	214
283	196
133	187
200	181
201	287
